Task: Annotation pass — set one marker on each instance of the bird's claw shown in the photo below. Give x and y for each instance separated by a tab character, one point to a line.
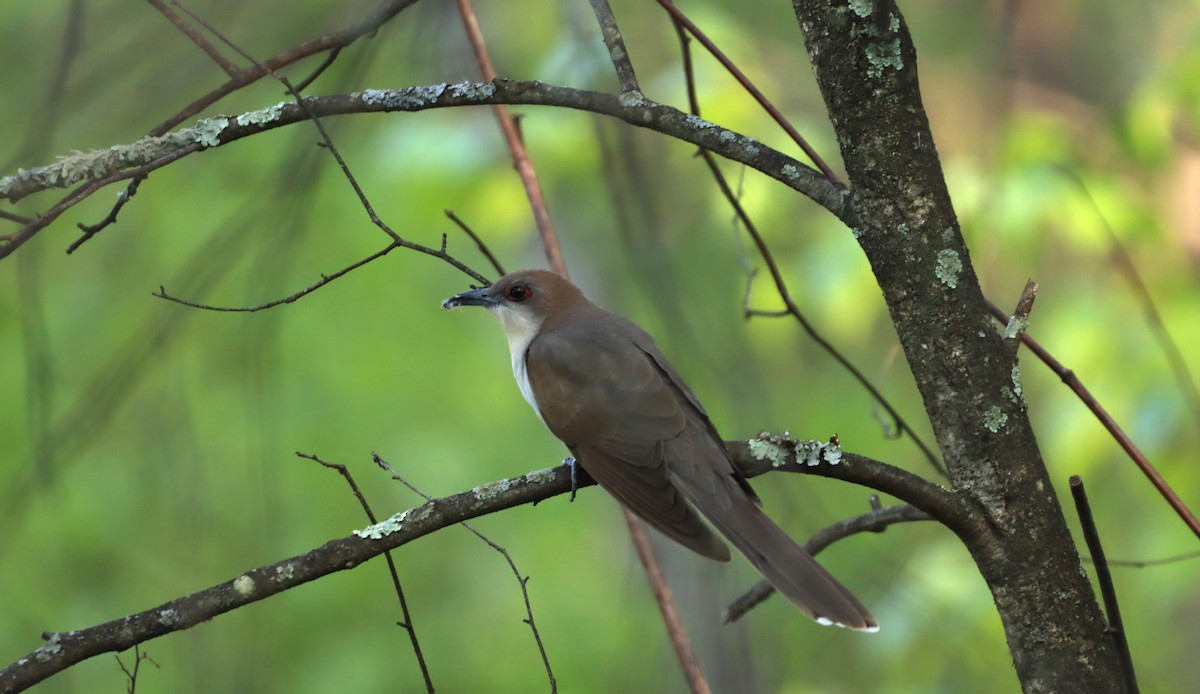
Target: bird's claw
573	466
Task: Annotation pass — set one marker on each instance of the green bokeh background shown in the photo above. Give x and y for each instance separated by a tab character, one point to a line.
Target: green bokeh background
148	448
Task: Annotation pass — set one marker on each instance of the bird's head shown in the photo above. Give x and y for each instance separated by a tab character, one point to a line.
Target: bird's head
522	300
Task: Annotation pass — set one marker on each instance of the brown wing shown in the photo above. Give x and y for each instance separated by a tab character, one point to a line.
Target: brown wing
607	400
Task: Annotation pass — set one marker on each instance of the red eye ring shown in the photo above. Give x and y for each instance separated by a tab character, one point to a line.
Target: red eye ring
518	292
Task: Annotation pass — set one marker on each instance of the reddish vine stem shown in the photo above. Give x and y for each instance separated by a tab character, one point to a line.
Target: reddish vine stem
520	155
1068	377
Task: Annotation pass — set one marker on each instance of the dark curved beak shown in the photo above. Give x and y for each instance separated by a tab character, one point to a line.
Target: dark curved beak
475	297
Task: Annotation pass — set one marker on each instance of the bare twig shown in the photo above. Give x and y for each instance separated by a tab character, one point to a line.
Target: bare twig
615	43
320	69
1158	327
325	279
1115	626
1144	563
521	580
397	241
483	247
781	285
43	220
1068	377
680	18
333	42
407	624
1019	321
123	198
201	42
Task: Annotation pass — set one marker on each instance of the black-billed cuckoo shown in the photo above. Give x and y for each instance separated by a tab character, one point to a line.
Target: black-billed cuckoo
600	384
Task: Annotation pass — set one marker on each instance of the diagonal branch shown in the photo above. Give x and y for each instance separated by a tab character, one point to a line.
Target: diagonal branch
520	155
1085	396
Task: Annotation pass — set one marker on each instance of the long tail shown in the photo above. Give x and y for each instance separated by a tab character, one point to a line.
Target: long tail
708	483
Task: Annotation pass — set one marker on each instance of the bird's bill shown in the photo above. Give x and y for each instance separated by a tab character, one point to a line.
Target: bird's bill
475	297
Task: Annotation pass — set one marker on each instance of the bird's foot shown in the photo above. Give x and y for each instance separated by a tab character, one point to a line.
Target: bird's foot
573	466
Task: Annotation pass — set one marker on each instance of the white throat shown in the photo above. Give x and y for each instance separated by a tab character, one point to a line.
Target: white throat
520	328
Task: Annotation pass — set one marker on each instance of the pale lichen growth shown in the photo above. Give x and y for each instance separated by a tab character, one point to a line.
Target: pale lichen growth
764	449
698	123
994	419
949	265
263	116
883	55
208	131
244	585
1016	327
862	8
541	476
168	617
383	528
632	99
48	650
472	90
492	489
790	172
1016	381
420	96
285	572
777	448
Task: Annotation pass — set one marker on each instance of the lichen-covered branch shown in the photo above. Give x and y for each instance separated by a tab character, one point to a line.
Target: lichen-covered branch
85	167
64	649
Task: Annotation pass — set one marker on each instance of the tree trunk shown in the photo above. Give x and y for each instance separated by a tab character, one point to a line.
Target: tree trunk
900	211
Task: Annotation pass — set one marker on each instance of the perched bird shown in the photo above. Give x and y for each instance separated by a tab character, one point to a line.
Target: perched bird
601	385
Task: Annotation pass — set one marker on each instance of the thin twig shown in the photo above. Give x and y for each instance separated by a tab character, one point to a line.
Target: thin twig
791	308
138	175
16	239
333	42
407	624
1158	327
521	580
13	217
325	279
320	69
123	198
1019	321
615	43
483	247
1141	564
1111	607
397	241
680	18
1068	377
201	42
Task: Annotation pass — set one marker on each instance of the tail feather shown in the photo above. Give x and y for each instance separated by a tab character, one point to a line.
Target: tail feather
792	571
707	480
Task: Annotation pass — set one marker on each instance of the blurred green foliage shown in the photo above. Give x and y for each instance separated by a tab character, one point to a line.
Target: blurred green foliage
148	447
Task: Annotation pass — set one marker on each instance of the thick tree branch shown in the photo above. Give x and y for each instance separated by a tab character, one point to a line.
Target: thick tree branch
64	649
121	161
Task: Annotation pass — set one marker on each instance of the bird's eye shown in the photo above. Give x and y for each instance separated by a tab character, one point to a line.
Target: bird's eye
518	292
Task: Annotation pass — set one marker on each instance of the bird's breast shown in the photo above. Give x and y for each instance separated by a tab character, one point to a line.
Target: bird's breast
521	372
